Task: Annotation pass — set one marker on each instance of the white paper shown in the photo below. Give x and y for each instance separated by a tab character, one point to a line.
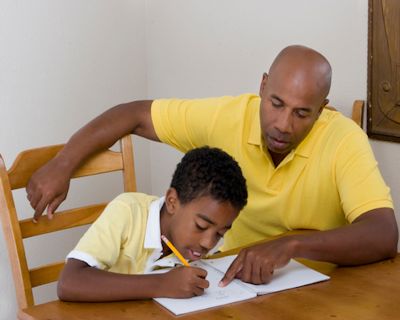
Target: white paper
292	275
213	296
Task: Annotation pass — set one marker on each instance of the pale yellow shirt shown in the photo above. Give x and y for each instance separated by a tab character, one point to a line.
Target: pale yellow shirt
329	180
126	237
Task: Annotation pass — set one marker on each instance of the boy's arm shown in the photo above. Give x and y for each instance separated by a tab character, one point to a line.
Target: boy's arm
48	186
80	282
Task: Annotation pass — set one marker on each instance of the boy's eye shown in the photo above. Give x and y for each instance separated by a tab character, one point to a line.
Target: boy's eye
202	228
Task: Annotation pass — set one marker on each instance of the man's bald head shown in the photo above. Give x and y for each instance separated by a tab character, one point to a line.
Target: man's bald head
293	96
303	64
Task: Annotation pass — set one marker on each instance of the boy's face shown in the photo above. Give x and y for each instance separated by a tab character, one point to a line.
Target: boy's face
195	227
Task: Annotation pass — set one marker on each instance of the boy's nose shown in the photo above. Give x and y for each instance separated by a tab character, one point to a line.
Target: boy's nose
207	243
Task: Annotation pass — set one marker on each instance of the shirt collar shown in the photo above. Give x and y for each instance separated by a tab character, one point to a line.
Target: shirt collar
152	238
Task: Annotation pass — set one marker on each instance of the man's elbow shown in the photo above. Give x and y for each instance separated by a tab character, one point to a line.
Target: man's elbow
382	234
389	237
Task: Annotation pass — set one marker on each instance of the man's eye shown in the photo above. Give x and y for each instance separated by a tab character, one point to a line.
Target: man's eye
276	104
301	114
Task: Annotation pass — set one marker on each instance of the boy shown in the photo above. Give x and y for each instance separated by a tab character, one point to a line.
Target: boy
111	260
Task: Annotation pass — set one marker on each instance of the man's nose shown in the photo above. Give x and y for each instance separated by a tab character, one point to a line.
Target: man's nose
284	122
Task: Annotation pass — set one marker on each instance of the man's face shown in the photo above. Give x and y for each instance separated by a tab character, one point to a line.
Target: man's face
197	226
289	108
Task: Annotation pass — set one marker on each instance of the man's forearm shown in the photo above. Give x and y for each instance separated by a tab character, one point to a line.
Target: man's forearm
103	131
372	237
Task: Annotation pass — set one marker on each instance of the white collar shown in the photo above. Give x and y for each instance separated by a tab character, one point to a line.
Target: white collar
152	238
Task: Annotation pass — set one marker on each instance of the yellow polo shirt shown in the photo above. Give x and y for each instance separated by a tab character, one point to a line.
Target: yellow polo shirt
329	180
126	237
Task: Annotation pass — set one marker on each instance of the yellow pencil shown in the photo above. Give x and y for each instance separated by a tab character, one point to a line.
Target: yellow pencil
174	250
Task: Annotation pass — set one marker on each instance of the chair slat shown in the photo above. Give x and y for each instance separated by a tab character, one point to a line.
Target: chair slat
15	230
128	163
107	161
12	234
29	161
358	112
61	220
45	274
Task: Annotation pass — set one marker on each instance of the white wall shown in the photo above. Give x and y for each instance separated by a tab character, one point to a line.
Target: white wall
62	63
211	48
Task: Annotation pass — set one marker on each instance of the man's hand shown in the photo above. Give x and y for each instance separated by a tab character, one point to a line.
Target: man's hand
184	282
256	264
48	187
371	237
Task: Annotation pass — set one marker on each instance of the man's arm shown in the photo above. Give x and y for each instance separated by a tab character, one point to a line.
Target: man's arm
48	187
371	237
80	282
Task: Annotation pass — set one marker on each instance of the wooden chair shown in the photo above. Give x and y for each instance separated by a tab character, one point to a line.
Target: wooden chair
16	230
357	112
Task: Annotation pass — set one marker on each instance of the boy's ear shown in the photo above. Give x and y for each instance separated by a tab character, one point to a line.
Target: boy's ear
171	200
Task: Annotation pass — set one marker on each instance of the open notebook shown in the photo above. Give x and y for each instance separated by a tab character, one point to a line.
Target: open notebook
292	275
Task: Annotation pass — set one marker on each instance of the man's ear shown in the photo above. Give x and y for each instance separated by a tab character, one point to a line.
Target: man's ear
323	105
263	83
171	200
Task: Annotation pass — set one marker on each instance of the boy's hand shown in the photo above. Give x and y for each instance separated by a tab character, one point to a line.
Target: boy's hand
184	282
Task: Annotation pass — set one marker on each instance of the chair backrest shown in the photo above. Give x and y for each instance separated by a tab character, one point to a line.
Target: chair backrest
16	230
357	113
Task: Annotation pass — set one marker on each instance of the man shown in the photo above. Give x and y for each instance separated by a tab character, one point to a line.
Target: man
306	167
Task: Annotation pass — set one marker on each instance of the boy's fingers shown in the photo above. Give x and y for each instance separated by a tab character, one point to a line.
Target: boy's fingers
200	272
203	283
198	291
232	271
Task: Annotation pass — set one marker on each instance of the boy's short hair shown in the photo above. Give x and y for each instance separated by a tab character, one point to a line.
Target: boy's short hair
211	172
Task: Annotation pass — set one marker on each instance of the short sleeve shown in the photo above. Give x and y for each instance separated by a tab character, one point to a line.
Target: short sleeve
360	183
100	245
186	124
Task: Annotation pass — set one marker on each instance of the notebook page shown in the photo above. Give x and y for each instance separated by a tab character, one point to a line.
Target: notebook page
293	275
212	297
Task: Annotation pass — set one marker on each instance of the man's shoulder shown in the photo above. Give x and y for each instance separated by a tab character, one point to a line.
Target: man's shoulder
334	123
237	100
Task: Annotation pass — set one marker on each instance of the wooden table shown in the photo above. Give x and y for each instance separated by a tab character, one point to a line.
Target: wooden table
366	292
